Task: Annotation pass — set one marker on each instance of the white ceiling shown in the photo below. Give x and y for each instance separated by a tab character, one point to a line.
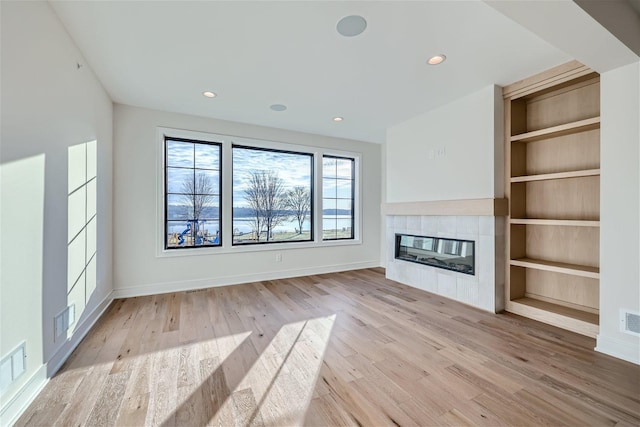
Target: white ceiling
164	54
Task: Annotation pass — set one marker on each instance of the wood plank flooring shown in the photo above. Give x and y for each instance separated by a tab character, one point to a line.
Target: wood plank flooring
346	348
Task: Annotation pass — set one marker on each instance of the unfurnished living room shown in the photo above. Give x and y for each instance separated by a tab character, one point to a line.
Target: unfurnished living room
320	213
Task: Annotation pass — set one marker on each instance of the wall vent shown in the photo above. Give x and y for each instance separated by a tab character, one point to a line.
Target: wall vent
13	366
630	322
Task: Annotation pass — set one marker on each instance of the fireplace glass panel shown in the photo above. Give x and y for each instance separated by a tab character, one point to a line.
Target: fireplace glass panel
450	254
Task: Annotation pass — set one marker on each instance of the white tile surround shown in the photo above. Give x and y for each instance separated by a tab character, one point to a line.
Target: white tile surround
485	289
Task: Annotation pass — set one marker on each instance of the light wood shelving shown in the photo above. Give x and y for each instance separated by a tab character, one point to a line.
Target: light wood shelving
557	175
560	130
552	165
558	267
567	222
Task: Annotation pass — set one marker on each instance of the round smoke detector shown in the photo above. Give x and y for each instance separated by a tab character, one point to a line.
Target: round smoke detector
352	25
278	107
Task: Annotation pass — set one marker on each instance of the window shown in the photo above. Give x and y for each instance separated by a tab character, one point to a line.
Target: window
192	193
338	189
272	196
228	194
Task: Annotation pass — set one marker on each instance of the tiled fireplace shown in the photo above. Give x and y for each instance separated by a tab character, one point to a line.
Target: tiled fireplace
484	288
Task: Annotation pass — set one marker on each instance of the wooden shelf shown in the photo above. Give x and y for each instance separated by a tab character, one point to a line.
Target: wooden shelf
563	317
563	222
557	175
552	178
560	130
558	267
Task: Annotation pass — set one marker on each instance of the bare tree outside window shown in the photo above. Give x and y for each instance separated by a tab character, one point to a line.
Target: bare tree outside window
264	190
298	202
192	193
266	198
197	194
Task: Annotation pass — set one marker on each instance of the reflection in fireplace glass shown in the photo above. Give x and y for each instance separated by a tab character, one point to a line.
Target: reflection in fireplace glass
450	254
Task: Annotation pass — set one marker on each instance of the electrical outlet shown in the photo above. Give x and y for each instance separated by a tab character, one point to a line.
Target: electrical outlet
278	257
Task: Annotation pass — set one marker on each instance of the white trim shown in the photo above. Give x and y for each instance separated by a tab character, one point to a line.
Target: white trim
62	354
15	407
227	142
618	348
186	285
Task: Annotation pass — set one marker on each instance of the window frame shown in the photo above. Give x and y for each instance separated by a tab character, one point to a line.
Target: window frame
312	191
226	177
166	191
354	182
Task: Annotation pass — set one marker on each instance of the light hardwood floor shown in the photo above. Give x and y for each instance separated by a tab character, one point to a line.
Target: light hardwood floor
346	348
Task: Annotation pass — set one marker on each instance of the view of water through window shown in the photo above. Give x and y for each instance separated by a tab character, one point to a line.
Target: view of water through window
271	195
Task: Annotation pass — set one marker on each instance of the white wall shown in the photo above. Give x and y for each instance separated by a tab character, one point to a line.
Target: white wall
48	104
469	131
137	268
619	208
453	152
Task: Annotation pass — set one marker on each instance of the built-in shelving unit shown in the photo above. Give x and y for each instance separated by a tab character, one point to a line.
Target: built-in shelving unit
552	125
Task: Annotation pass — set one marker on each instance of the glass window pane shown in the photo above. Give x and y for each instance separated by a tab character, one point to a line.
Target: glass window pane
328	207
329	228
343	189
178	233
180	153
207	182
211	233
329	167
179	207
343	206
179	180
329	188
344	228
344	168
207	156
210	208
271	196
192	193
337	203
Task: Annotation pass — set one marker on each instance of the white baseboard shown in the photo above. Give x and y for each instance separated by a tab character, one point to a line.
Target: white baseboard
187	285
63	353
619	349
13	409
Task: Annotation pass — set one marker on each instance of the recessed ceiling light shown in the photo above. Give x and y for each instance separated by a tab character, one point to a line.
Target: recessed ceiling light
209	94
352	25
437	59
278	107
338	119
